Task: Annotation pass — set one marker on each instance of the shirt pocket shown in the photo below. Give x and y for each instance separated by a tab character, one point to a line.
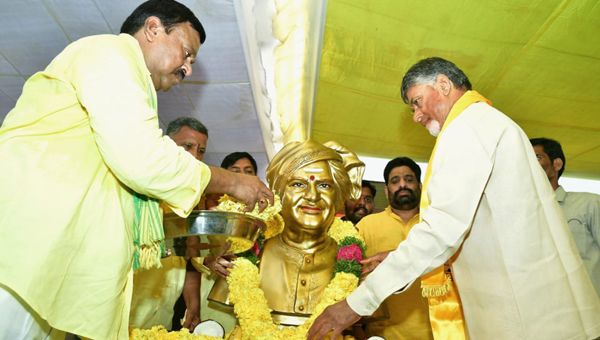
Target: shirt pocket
581	237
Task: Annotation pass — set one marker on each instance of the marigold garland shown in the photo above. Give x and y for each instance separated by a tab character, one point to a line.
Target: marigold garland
160	333
251	306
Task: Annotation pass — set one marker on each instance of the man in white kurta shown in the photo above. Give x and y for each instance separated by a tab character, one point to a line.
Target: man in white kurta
516	267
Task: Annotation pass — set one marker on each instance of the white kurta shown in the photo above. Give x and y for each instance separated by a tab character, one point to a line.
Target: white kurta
518	271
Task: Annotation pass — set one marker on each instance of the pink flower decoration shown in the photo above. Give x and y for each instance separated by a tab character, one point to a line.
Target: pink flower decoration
351	252
256	248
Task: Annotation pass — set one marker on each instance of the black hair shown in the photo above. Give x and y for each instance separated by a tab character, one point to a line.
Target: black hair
367	184
170	13
553	149
190	122
426	71
230	160
401	161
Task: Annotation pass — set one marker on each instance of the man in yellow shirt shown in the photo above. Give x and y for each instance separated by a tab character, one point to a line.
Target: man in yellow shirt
155	291
408	312
81	145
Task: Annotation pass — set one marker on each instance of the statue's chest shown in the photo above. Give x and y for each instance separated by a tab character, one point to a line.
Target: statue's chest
293	281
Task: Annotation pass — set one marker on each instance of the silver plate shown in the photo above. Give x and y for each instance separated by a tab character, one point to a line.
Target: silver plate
204	232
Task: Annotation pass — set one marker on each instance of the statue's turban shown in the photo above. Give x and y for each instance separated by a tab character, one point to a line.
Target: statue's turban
347	169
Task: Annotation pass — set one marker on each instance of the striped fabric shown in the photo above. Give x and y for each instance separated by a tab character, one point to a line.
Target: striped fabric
148	233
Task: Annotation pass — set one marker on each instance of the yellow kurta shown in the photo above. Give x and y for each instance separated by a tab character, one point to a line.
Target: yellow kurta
83	134
409	312
155	292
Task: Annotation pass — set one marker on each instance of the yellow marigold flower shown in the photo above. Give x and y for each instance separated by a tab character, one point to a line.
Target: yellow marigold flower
227	203
270	216
341	229
239	245
160	333
275	226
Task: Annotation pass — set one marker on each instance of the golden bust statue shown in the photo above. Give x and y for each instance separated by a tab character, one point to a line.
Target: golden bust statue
313	181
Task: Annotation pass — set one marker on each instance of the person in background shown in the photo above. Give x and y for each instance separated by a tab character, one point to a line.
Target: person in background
356	210
581	209
237	162
155	291
83	146
240	162
408	312
190	134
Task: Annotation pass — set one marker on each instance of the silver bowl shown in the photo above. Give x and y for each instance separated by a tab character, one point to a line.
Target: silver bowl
204	232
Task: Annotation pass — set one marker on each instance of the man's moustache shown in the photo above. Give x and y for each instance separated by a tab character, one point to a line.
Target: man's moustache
397	193
180	74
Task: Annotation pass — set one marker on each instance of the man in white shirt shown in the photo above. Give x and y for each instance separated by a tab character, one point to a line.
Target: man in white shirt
488	208
581	209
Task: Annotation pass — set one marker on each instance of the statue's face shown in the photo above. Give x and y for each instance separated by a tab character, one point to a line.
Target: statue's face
309	198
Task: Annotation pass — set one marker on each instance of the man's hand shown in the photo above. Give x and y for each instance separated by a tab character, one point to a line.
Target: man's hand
248	189
251	190
192	317
375	260
220	263
334	318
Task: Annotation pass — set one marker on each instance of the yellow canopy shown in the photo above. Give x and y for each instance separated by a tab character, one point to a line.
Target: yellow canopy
537	61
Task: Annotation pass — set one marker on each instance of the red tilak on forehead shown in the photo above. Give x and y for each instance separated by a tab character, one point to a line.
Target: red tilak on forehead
312	177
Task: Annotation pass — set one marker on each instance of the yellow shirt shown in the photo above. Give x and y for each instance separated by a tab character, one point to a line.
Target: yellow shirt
83	134
409	312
